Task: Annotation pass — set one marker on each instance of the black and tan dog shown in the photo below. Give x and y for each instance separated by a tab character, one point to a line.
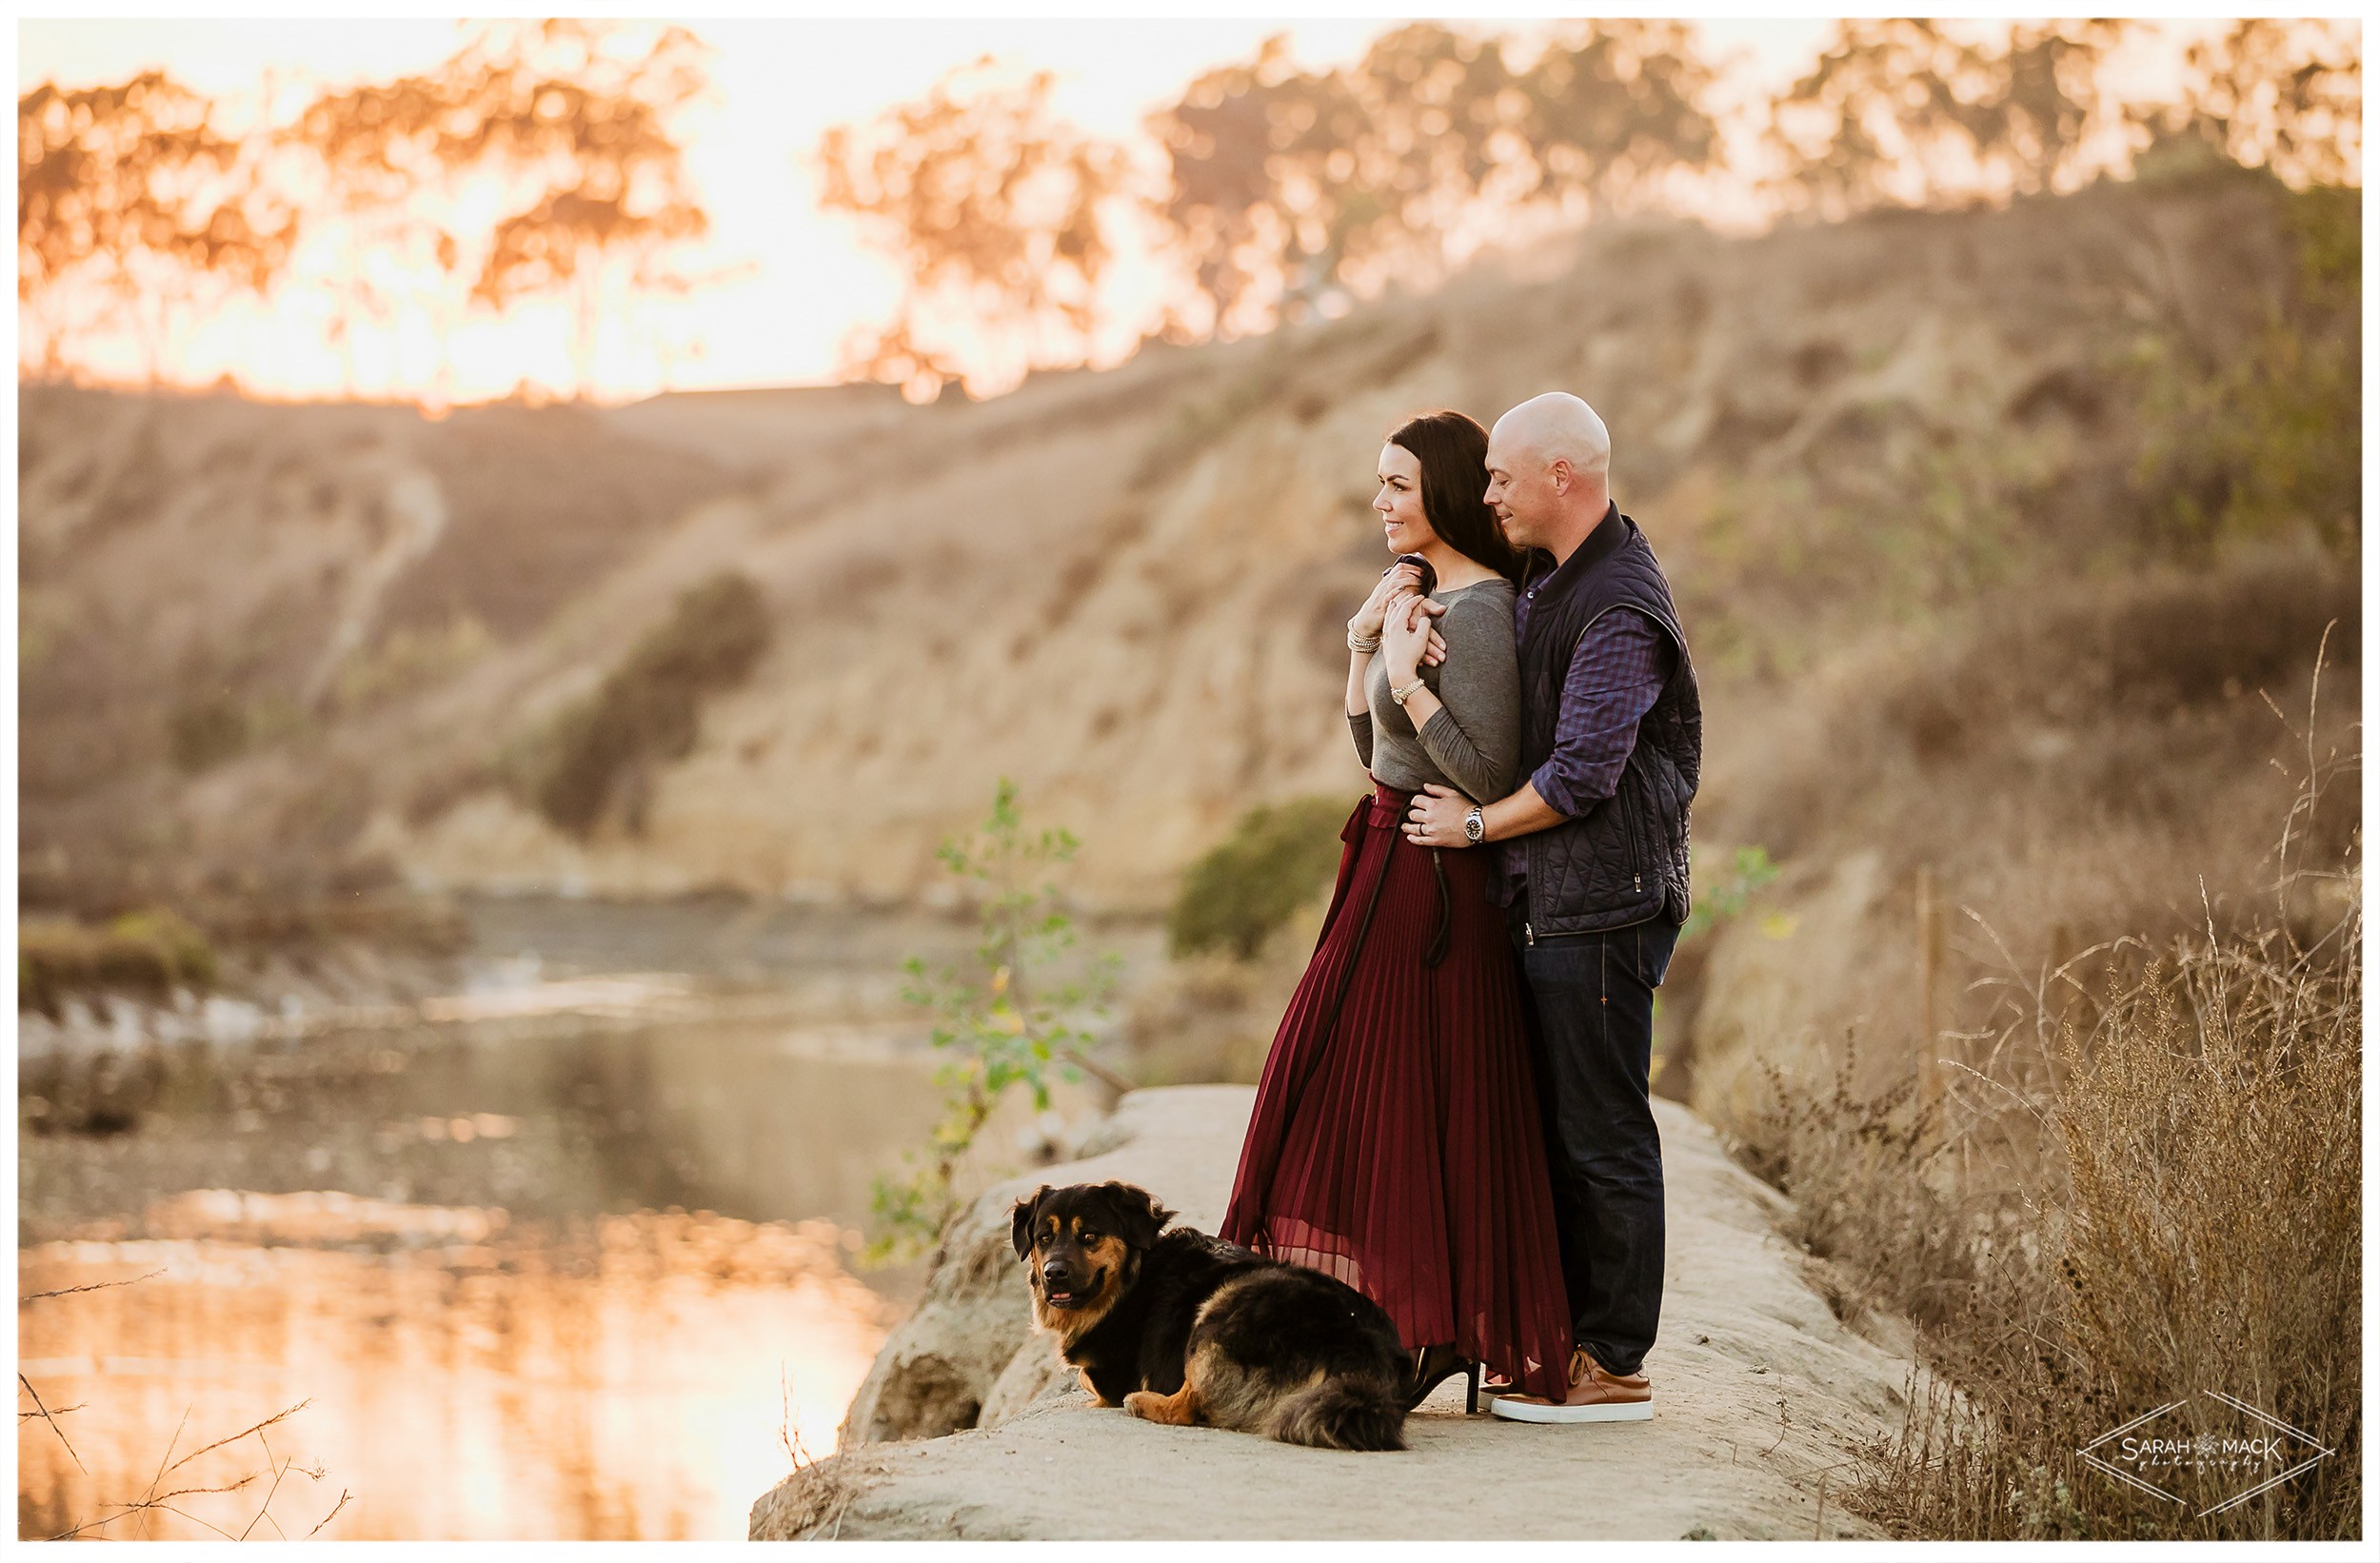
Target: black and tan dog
1183	1328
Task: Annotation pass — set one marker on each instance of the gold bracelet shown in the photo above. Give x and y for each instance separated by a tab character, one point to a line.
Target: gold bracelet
1362	645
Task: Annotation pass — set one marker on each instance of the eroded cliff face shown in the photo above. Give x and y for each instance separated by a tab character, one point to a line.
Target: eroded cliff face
1892	467
1124	590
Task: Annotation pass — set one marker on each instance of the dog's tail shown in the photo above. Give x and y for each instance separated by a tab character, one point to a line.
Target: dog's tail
1343	1412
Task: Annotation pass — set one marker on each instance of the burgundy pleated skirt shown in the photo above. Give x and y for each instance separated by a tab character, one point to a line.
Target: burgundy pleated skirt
1394	1143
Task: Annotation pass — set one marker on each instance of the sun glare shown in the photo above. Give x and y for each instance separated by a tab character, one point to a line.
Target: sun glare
678	230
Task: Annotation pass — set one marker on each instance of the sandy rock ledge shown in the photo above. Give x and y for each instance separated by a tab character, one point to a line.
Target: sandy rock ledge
968	1427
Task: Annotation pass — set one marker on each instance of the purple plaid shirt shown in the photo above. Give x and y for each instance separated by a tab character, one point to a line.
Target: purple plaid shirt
1618	670
1615	676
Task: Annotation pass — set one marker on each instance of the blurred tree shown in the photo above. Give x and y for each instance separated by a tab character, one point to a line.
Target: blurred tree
567	122
1245	214
991	202
1898	111
559	104
378	159
1613	112
1285	192
1288	186
131	191
2281	94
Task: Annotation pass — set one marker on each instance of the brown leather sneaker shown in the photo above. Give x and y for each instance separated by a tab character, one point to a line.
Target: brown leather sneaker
1594	1396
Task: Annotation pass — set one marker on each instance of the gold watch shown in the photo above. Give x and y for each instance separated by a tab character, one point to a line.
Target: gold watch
1400	696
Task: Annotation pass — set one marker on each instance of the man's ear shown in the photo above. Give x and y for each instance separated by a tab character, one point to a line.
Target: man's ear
1021	1220
1143	1217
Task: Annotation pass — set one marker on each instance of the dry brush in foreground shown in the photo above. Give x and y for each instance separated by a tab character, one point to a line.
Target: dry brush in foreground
2145	1194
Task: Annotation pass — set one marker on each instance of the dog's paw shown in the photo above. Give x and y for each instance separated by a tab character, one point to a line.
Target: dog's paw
1178	1410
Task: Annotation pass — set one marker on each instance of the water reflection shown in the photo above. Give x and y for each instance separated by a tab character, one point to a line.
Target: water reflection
468	1376
753	1121
470	1247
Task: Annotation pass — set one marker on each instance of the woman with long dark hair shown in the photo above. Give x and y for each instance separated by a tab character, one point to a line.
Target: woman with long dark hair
1394	1139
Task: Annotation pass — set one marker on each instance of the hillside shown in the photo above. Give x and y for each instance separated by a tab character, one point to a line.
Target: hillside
286	648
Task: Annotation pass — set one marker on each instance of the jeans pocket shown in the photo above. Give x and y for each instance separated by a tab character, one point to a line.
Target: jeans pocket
1655	944
1571	972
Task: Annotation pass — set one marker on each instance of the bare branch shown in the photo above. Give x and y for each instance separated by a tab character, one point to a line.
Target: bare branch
1099	1072
278	1417
192	1492
333	1515
276	1481
193	1519
146	1505
95	1286
168	1454
43	1412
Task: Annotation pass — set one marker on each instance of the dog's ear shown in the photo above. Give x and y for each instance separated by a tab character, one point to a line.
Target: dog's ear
1021	1220
1139	1216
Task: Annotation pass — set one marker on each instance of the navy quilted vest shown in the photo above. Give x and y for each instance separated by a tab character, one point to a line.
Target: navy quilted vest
1624	860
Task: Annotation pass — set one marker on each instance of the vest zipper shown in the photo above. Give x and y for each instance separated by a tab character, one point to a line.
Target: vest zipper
1629	825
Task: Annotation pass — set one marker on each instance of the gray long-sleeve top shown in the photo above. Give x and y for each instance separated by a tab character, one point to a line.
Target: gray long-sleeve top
1472	742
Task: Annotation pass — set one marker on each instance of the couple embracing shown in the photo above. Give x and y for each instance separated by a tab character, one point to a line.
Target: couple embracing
1456	1116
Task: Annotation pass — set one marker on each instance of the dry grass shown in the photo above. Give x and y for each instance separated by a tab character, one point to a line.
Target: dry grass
814	1510
2145	1189
2074	765
162	1497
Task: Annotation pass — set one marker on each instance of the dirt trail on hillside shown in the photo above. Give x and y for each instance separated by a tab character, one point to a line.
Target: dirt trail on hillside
1761	1394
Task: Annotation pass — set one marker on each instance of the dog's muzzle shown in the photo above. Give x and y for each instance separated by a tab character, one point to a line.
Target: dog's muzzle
1060	1288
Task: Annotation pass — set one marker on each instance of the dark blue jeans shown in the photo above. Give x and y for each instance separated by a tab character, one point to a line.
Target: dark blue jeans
1593	999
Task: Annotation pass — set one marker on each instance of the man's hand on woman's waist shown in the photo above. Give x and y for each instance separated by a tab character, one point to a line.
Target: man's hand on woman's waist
1438	813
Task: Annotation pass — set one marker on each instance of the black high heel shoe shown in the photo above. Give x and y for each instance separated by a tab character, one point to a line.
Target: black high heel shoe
1433	1366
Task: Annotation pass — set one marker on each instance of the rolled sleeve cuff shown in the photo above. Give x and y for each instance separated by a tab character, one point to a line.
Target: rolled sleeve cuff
1555	790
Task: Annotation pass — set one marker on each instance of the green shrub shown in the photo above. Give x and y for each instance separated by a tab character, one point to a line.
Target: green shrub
1276	857
1005	1019
647	711
2267	438
409	659
1749	872
150	951
206	730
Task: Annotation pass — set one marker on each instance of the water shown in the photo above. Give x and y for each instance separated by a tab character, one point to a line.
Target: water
534	1275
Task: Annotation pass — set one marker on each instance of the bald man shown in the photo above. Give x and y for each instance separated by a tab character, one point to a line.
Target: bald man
1594	880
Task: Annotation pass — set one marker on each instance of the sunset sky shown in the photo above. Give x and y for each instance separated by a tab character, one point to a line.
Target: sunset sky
783	285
